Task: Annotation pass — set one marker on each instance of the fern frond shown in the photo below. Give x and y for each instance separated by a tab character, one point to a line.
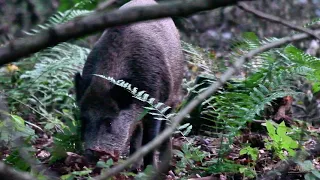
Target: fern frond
158	109
49	81
313	22
59	18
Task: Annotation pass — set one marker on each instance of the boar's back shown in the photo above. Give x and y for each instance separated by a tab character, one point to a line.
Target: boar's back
146	54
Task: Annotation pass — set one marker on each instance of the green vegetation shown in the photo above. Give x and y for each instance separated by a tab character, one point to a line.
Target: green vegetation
42	105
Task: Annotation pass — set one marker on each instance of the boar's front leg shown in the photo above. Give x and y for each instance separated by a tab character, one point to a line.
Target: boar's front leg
150	131
143	134
165	152
151	128
135	144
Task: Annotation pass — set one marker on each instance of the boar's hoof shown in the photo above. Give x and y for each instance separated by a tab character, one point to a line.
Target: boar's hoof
136	167
91	155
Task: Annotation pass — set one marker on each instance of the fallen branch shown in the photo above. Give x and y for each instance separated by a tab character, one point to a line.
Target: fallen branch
99	21
198	99
278	20
7	173
283	166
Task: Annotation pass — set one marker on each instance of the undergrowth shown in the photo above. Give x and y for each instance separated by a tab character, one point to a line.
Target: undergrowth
42	84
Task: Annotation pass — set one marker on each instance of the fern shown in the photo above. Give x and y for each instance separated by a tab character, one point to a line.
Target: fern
199	57
313	22
269	76
44	83
59	18
158	109
63	17
50	80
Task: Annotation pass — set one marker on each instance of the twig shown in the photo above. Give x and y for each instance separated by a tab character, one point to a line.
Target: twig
7	173
34	125
197	100
99	21
259	121
276	19
104	5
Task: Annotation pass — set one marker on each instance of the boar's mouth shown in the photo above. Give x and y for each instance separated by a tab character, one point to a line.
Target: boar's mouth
106	145
109	137
94	154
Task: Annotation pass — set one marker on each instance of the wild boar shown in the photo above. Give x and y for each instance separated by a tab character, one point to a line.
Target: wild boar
148	55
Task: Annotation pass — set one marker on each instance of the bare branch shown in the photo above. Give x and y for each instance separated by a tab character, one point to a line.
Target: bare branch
197	100
105	4
100	21
278	20
7	173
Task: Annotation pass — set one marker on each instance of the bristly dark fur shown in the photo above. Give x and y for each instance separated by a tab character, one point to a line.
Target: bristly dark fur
148	55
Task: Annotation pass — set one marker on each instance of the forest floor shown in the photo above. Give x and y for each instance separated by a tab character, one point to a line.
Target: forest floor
195	157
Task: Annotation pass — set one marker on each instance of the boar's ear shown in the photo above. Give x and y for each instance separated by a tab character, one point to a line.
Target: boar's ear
79	86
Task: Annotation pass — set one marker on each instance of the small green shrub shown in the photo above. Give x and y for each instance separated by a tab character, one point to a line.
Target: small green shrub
252	152
190	157
280	141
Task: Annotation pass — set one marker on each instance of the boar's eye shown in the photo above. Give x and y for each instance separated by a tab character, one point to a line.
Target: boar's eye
107	122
